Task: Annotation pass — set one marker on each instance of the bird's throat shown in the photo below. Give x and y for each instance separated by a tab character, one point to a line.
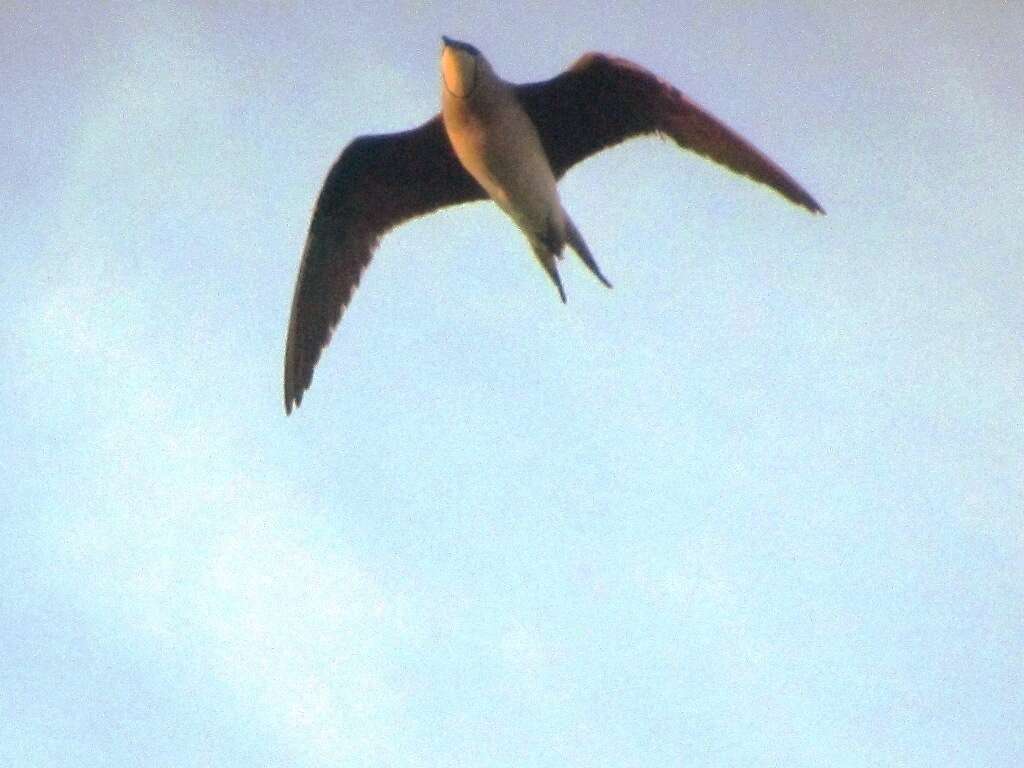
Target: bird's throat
459	73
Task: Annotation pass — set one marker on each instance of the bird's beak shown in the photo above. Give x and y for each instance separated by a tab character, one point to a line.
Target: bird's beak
446	41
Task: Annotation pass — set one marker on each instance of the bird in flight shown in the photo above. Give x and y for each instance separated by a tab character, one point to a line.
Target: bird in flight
498	140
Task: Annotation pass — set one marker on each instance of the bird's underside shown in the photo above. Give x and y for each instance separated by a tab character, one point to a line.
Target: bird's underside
380	181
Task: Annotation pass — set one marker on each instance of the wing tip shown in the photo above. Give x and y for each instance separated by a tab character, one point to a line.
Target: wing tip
292	400
789	188
293	390
289	400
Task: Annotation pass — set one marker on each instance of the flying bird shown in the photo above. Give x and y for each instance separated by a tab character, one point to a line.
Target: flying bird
492	139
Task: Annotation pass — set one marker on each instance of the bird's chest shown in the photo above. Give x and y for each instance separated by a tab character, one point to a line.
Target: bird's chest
481	139
500	148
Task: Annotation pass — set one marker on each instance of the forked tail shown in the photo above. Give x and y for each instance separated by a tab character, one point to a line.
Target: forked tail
576	242
547	260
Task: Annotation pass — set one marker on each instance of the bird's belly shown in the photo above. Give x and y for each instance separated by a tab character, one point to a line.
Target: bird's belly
508	161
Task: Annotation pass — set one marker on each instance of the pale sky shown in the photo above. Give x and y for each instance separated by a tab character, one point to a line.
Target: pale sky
761	504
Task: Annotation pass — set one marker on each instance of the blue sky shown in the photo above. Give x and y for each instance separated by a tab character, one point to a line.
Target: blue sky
761	504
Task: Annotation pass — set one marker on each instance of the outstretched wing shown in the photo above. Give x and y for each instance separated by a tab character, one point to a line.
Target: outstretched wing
377	183
601	101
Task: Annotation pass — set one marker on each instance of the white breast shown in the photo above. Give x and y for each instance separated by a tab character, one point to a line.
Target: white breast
496	141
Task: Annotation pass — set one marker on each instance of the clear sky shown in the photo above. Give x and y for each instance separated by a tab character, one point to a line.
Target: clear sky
761	504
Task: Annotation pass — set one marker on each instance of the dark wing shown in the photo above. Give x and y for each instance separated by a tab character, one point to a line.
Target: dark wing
601	101
377	183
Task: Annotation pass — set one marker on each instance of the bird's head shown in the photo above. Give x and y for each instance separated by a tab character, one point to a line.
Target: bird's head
463	67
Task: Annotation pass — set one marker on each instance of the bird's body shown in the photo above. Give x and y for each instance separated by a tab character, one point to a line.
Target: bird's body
498	144
493	139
